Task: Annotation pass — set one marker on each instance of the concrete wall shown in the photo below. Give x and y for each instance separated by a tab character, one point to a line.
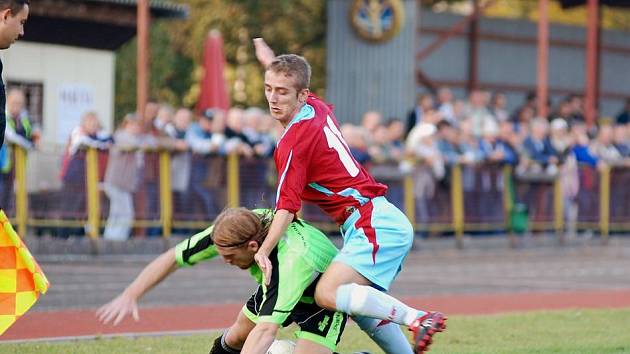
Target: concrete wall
61	66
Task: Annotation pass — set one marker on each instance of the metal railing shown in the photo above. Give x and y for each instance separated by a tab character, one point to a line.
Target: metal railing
471	199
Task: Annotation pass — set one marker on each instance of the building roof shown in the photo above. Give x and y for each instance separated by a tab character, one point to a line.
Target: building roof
159	9
97	24
614	3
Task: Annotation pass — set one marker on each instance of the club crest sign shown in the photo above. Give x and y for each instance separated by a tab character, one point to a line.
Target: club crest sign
377	20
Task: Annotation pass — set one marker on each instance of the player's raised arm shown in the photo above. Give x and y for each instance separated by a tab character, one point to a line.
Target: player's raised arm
264	53
127	302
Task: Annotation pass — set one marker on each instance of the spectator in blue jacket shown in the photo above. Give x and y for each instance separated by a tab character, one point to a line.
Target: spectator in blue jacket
580	145
448	143
537	146
507	142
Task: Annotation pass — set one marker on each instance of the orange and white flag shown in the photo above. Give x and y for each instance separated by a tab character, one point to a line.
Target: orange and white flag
21	278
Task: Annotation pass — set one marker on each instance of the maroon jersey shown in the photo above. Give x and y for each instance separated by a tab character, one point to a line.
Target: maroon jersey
314	164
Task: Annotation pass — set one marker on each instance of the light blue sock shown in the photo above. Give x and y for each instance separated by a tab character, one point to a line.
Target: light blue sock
387	335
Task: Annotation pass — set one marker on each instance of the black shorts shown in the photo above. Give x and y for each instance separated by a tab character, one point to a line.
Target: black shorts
316	324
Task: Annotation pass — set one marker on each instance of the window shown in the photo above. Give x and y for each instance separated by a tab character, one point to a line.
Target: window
34	92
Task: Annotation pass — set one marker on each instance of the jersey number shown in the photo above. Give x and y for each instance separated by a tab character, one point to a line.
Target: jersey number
335	141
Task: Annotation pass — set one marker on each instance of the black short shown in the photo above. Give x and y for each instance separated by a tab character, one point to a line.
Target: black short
316	324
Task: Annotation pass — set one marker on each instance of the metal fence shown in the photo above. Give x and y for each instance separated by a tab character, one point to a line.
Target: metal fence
47	192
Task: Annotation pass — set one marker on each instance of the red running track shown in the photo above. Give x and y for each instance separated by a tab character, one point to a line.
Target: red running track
76	323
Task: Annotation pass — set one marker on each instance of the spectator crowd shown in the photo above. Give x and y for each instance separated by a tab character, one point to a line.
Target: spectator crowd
440	131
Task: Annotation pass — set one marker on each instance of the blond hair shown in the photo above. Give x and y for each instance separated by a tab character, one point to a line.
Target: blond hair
235	227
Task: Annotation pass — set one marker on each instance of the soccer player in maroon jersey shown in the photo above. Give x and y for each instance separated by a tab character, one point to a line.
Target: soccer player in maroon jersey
314	164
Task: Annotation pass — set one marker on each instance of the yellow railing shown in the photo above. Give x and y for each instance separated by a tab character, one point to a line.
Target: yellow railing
604	205
166	198
508	204
233	197
558	209
457	222
91	183
457	202
21	198
410	201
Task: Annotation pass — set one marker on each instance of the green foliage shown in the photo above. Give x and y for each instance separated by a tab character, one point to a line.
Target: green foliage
296	26
170	72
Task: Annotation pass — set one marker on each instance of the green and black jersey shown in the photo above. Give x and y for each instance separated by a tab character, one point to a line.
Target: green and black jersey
301	255
195	249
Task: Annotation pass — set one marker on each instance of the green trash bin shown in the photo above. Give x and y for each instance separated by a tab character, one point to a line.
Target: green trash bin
519	214
519	218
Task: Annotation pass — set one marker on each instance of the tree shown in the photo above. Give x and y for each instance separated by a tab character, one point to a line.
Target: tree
296	26
612	18
171	72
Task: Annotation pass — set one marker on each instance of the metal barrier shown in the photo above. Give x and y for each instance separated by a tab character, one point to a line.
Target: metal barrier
93	203
166	202
619	199
470	199
21	200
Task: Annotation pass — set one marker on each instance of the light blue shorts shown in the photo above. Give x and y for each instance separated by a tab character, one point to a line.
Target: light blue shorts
376	239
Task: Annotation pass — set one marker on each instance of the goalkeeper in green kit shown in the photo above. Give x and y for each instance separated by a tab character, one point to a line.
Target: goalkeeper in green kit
299	259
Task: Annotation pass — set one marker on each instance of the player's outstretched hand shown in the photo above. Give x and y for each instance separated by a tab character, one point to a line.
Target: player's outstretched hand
118	309
265	265
263	52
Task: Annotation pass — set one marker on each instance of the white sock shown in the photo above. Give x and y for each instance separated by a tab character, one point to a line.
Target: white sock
366	301
387	335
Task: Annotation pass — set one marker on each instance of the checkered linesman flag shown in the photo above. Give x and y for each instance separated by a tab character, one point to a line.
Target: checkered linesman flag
21	278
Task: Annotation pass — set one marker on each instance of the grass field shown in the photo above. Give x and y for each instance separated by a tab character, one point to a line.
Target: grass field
574	331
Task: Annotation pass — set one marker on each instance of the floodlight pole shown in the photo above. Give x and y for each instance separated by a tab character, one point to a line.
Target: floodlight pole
590	96
542	90
142	87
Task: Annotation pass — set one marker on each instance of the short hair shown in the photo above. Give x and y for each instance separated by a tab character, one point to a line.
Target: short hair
89	114
443	124
130	118
424	95
14	5
294	66
208	114
531	95
392	120
16	91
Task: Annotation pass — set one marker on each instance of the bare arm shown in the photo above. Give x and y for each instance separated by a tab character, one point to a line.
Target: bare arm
282	218
278	227
263	52
127	302
260	338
